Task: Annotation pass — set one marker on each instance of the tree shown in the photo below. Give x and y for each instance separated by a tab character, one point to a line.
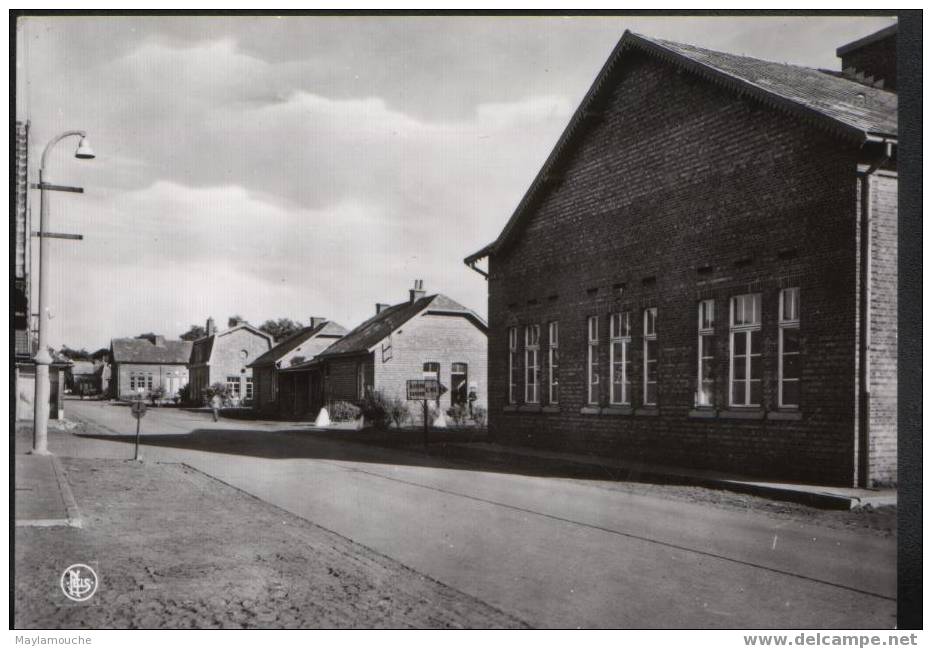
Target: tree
147	336
75	354
281	328
195	332
234	320
101	354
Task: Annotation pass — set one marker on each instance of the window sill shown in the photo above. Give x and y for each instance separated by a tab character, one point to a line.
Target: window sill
510	408
703	413
530	407
785	415
753	413
590	410
550	409
650	411
617	410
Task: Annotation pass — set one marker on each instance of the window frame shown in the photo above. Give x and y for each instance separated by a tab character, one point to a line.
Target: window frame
553	362
233	387
706	329
532	364
512	357
747	330
620	334
650	335
592	360
784	324
454	399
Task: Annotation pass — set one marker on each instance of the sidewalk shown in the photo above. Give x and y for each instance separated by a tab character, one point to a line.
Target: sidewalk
813	495
43	497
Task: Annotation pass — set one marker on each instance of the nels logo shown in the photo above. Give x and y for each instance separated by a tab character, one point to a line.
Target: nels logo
79	582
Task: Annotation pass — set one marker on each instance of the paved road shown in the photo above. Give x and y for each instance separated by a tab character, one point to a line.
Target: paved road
553	552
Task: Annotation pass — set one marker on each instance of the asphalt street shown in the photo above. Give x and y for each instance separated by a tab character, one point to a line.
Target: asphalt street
554	552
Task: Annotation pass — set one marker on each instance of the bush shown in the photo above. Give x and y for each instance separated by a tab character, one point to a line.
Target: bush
374	408
156	394
397	411
184	394
219	389
479	416
458	414
343	411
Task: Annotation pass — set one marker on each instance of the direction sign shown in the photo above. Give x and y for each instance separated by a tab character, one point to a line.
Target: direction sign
423	389
138	409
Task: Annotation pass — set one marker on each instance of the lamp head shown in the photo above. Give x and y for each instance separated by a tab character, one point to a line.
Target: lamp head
85	152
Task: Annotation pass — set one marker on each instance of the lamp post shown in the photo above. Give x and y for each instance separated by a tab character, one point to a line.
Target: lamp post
43	358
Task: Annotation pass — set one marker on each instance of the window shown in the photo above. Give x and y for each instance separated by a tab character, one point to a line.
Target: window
620	349
512	364
459	392
745	350
553	362
593	360
431	370
387	349
132	380
233	385
249	387
705	378
789	348
531	364
650	357
149	380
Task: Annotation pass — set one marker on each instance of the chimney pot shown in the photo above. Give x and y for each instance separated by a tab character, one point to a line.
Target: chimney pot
317	320
159	341
211	328
417	292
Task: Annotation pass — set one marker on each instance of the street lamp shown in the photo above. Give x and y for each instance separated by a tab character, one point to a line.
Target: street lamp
43	358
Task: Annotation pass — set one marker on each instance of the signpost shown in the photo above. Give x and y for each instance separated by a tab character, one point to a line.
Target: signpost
139	411
425	390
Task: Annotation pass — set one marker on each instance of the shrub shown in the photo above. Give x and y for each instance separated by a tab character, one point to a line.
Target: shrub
458	414
156	394
219	389
184	394
375	409
343	411
397	411
479	416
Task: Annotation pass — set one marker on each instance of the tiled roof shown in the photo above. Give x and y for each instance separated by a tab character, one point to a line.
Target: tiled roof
845	107
862	108
142	350
324	329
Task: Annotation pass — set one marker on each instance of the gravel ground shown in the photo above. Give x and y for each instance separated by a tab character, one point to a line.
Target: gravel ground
174	548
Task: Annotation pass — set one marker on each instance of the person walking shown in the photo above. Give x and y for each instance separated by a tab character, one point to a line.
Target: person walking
215	406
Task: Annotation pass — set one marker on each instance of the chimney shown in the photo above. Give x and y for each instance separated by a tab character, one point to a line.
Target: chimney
871	60
159	341
316	321
417	292
380	306
211	327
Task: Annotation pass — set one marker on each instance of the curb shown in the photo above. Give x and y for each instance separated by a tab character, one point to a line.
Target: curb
812	496
71	507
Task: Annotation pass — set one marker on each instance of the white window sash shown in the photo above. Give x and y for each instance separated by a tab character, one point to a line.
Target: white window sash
648	337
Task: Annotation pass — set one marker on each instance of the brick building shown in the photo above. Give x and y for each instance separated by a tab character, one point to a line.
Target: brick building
426	336
302	346
139	365
224	357
685	280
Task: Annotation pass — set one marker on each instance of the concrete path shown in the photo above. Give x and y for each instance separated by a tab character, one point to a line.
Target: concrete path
43	498
553	552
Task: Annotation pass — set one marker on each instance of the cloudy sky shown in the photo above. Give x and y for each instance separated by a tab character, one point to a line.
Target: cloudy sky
290	167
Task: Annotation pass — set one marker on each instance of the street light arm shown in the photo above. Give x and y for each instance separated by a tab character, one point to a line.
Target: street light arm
53	142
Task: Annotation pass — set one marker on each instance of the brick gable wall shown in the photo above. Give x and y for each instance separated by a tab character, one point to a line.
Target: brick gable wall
678	176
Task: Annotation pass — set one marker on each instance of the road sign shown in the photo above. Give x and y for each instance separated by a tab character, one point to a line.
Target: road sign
424	389
138	409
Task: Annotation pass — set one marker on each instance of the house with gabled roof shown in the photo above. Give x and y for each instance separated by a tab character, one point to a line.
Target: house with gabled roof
426	336
139	365
224	357
704	271
302	346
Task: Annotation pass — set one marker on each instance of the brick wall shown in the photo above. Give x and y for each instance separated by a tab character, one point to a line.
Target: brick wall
433	338
883	365
685	192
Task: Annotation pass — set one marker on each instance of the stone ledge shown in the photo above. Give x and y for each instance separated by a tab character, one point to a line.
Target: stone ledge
741	414
590	410
529	407
617	410
703	413
785	415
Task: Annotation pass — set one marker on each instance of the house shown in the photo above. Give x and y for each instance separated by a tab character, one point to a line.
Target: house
704	271
298	348
224	357
81	377
140	365
426	336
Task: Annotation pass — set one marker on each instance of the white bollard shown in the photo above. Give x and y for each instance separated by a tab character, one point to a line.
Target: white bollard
440	421
323	419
